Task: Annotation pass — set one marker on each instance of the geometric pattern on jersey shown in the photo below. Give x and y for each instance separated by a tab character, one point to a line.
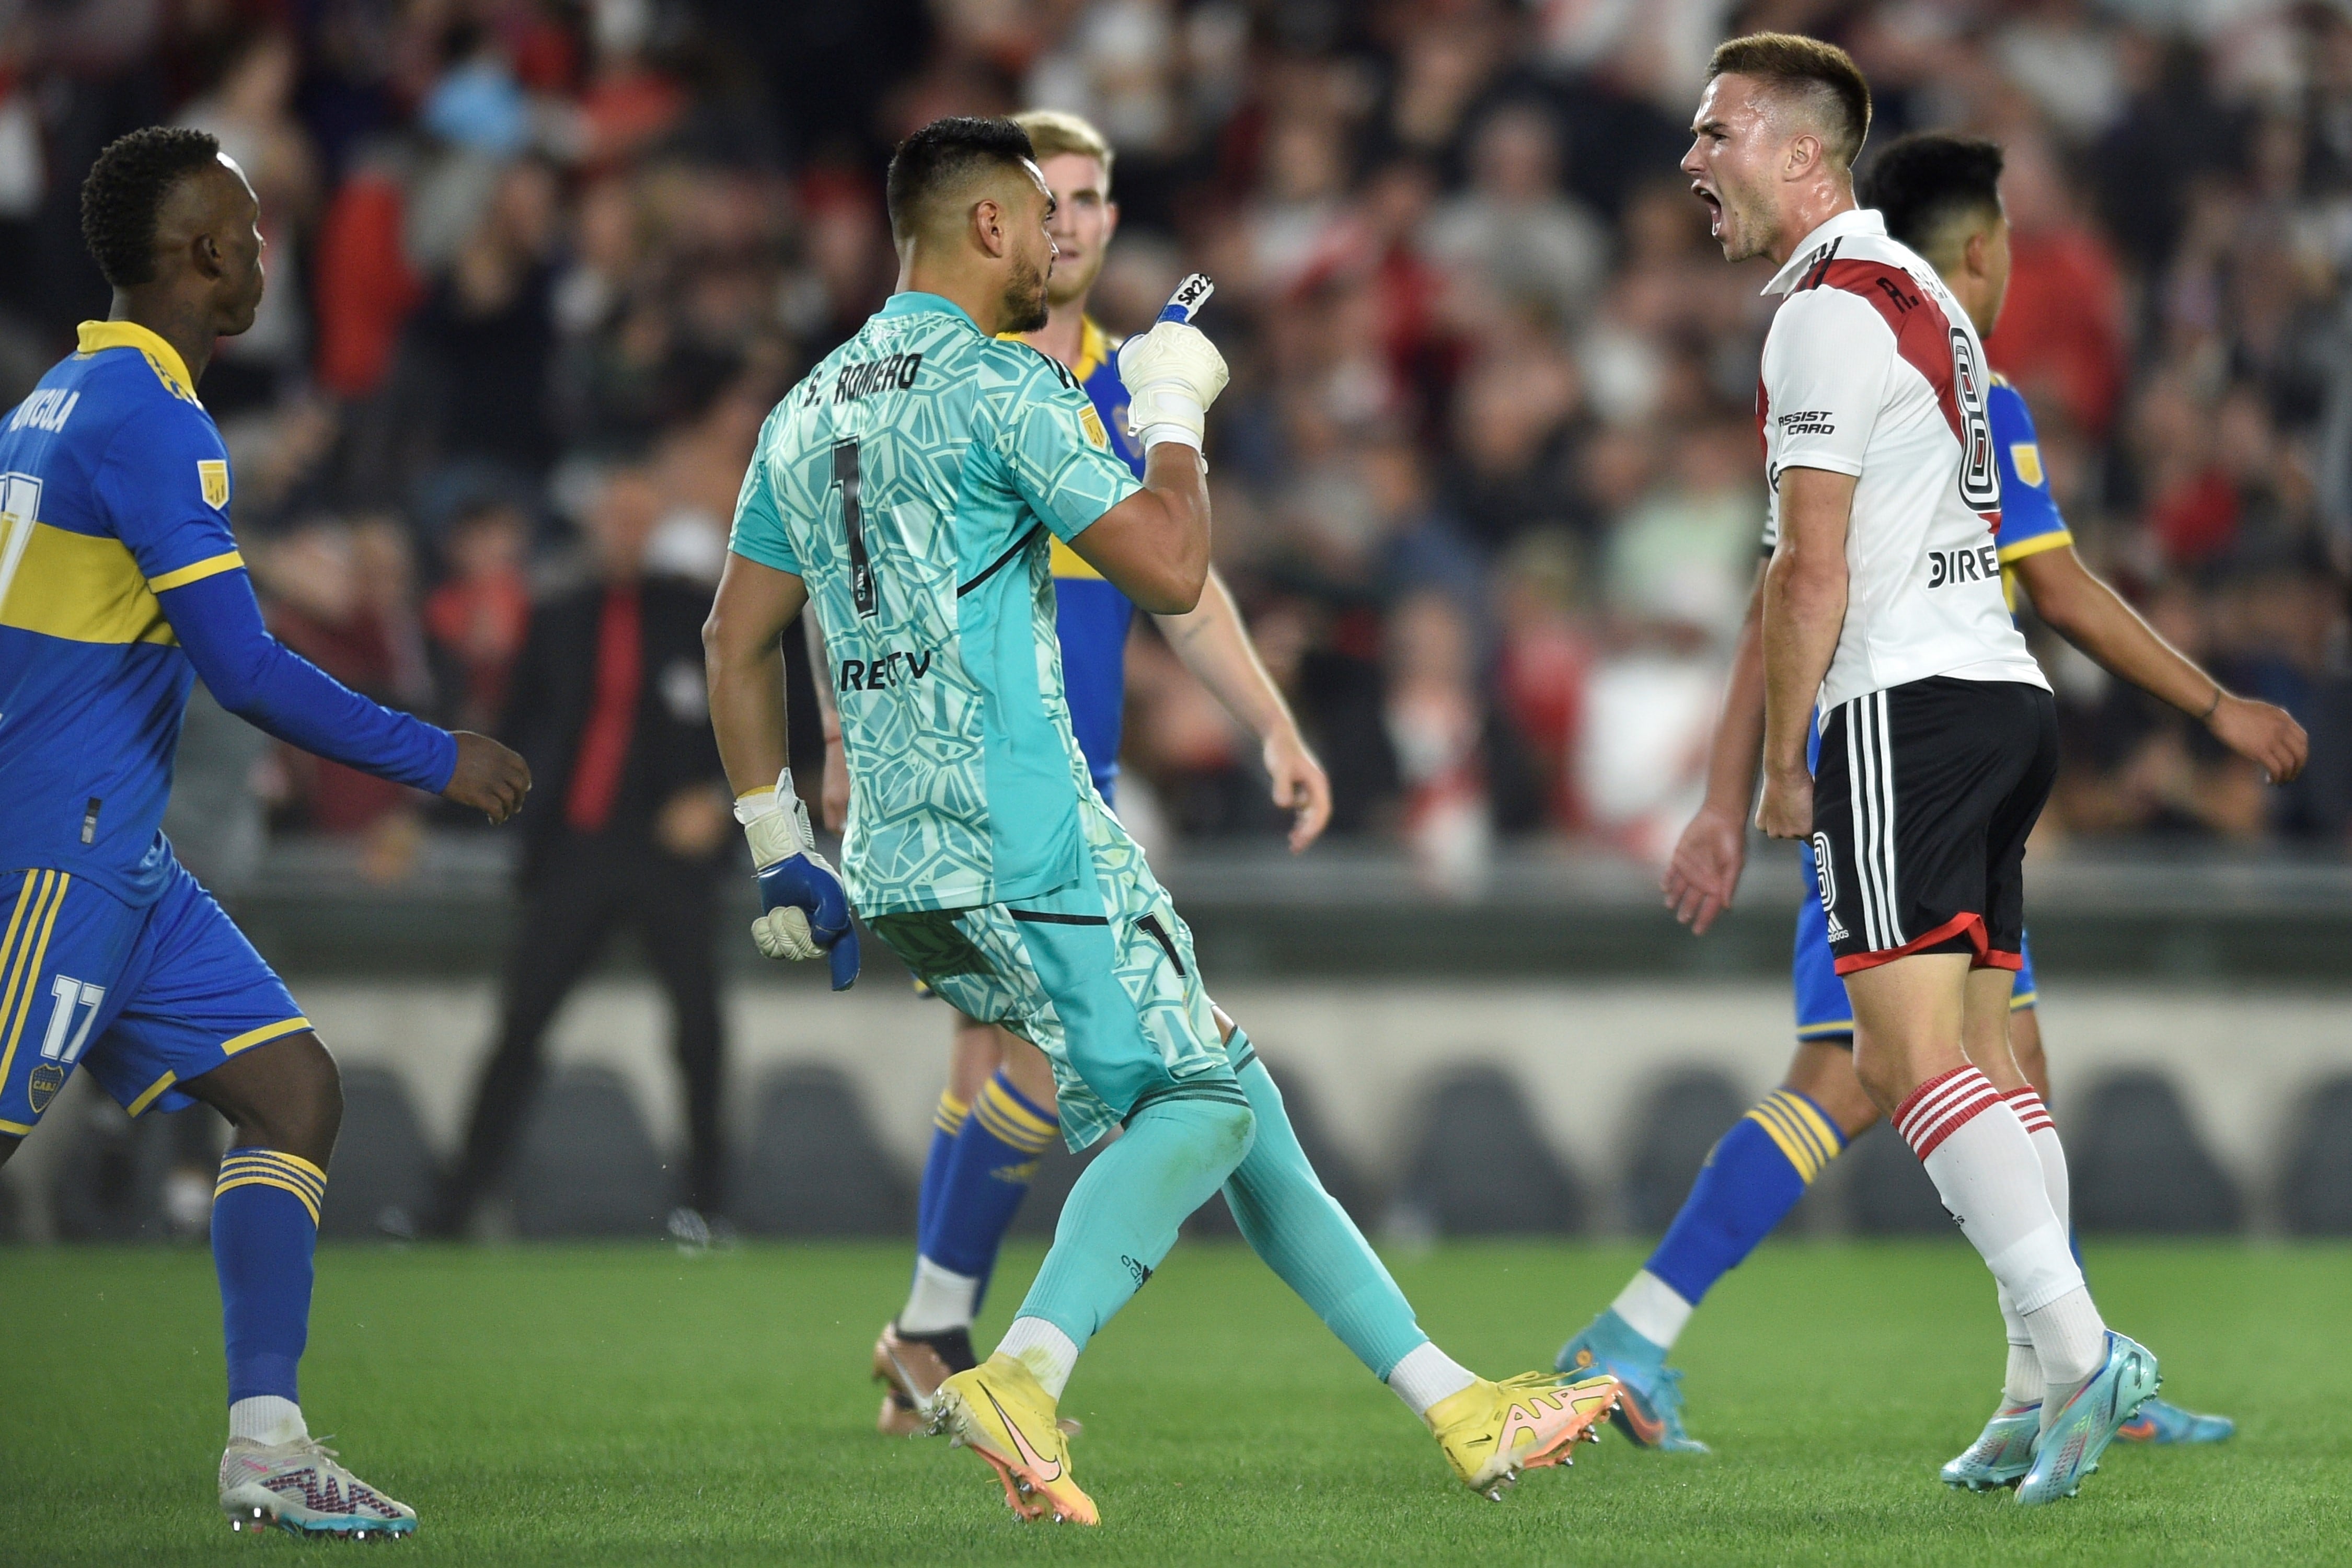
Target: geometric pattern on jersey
146	996
913	481
1099	975
113	489
1922	803
1872	370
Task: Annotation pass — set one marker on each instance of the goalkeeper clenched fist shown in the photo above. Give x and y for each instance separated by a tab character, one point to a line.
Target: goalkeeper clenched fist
804	910
1173	373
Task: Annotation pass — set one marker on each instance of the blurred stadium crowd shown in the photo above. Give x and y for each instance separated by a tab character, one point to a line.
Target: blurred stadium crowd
1488	480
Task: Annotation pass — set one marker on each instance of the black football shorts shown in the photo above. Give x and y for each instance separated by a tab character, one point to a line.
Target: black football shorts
1922	803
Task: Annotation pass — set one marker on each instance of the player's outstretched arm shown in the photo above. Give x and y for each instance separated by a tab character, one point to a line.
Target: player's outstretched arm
1214	643
261	681
1804	609
2087	613
804	908
1705	870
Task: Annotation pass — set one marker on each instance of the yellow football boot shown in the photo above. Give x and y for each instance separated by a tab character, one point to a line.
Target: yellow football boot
1492	1431
1001	1412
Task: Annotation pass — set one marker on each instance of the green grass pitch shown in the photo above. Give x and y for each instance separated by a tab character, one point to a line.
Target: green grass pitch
584	1406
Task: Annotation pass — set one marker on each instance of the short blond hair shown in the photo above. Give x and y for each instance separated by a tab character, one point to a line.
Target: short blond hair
1055	131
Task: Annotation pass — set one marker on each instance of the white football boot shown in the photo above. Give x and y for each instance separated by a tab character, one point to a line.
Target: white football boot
298	1487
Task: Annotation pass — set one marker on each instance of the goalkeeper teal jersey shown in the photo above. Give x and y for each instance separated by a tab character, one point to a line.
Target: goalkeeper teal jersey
915	480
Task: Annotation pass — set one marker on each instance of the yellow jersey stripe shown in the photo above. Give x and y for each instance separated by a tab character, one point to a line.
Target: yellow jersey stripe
28	896
308	1203
17	1128
2021	1000
94	337
147	1096
264	1034
17	1001
1832	1027
2035	545
82	588
1068	563
196	572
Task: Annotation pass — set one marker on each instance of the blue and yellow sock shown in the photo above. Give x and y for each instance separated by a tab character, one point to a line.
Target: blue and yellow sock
1754	1177
988	1173
947	1121
265	1232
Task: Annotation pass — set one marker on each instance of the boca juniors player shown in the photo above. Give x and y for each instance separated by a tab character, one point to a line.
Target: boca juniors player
121	582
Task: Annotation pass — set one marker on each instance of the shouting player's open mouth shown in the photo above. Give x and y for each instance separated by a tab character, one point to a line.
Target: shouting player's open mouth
1713	208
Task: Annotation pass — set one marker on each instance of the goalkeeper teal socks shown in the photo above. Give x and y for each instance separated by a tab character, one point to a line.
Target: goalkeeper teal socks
1121	1218
1304	1236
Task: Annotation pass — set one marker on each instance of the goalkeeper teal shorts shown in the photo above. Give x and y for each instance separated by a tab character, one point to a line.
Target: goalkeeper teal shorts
1099	974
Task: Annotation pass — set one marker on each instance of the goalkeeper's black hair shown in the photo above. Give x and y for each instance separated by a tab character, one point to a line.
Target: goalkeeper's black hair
945	154
1924	181
125	191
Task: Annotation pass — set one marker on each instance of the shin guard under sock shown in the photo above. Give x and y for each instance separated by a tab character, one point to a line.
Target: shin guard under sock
264	1233
1121	1218
1301	1233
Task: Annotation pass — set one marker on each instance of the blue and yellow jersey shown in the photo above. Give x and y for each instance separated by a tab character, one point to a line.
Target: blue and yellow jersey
1092	618
115	550
113	488
2030	520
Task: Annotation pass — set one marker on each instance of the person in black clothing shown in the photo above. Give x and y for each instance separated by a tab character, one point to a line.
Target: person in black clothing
607	702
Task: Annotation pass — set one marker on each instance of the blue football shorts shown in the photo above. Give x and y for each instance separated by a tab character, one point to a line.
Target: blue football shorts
1824	1013
147	996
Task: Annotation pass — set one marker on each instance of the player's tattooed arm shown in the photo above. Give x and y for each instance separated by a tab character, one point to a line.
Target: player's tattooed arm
1704	873
2089	614
1215	646
1804	609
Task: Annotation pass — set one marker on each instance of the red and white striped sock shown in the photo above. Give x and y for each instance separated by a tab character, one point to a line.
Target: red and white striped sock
2046	1147
1985	1168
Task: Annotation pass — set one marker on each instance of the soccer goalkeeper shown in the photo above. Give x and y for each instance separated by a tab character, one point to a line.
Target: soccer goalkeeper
910	486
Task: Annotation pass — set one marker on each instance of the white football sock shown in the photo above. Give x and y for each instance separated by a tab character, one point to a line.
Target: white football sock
2071	1341
267	1419
1652	1308
939	1300
2046	1149
1986	1169
1426	1375
1050	1355
2020	1383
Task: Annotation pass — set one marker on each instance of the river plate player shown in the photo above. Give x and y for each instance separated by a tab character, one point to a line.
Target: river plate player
120	585
1940	194
997	1114
909	489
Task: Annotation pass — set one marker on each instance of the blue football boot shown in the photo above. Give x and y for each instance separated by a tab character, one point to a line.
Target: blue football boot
1649	1404
2071	1445
2159	1422
2002	1452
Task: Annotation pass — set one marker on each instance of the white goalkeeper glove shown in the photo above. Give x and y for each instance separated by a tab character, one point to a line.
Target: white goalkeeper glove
1173	373
804	908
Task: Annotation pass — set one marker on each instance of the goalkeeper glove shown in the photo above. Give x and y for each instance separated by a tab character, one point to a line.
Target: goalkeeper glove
1173	373
804	909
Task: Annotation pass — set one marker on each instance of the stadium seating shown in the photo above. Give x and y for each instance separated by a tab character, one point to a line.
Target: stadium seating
1679	1125
2315	1197
588	1166
813	1165
1450	1182
2118	1187
384	1172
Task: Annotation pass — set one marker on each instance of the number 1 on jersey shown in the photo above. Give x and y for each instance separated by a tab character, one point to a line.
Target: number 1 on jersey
845	477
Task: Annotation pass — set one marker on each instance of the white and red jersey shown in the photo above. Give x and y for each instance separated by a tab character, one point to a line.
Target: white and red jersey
1872	369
